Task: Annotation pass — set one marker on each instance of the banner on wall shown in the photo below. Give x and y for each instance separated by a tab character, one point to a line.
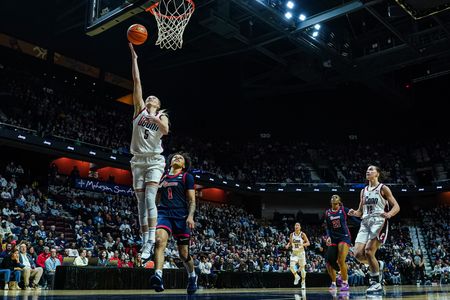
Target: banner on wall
76	65
22	46
98	186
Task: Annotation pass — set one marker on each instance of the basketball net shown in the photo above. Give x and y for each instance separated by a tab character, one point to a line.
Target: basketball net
172	16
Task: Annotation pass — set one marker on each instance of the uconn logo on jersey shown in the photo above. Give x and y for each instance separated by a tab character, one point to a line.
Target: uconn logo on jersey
370	201
144	121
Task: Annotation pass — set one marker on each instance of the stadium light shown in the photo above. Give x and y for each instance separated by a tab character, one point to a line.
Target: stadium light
113	157
288	15
317	26
70	148
21	137
47	143
92	153
290	4
315	34
302	17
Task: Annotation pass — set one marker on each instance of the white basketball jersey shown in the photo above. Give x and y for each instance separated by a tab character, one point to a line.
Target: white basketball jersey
374	203
297	244
146	136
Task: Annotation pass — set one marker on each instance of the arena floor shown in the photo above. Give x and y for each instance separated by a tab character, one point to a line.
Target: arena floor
400	292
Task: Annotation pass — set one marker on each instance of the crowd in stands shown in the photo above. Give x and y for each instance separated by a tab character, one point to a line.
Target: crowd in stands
39	227
46	226
37	102
435	222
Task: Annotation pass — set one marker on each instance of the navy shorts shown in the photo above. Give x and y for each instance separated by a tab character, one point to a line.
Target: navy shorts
336	242
176	227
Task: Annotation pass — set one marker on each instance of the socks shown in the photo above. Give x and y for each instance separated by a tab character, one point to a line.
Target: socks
192	274
333	282
159	273
375	277
151	234
145	237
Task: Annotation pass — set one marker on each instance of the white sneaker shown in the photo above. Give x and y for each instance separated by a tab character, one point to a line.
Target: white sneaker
374	288
147	250
303	285
297	279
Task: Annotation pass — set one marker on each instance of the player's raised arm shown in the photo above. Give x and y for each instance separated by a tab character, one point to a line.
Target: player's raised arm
138	101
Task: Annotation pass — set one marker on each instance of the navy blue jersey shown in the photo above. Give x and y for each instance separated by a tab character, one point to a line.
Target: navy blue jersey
173	188
336	222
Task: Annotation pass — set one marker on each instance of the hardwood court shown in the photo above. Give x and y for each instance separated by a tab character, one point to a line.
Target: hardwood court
396	292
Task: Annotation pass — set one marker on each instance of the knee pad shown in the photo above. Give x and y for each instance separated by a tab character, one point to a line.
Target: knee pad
150	197
142	210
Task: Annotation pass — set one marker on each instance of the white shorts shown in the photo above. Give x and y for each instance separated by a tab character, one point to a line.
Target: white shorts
371	228
298	259
147	168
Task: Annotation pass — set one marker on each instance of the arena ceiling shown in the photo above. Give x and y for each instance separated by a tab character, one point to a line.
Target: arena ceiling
373	42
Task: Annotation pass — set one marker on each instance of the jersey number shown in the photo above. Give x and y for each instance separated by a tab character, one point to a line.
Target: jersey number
370	209
146	134
336	223
169	193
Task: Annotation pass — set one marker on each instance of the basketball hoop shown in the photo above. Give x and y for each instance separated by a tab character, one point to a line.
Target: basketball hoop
172	16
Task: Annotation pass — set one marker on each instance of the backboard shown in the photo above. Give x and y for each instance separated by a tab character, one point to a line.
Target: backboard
104	14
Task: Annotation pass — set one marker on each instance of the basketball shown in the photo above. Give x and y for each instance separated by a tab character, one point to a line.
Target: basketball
137	34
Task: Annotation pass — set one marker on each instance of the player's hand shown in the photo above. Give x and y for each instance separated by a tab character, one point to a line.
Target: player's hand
386	215
352	213
133	53
155	119
328	241
190	223
287	246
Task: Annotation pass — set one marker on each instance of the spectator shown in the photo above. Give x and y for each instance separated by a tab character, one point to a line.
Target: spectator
81	260
50	267
12	263
30	271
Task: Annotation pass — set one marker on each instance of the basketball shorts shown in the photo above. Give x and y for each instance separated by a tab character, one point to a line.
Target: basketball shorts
146	168
337	241
176	227
371	228
298	259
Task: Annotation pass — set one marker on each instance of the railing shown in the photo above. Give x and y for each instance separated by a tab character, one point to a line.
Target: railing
63	139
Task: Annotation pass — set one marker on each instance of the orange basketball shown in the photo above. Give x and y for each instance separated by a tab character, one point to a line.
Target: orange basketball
137	34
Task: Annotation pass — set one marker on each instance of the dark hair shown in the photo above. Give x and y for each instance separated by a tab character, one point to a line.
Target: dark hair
381	174
187	160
